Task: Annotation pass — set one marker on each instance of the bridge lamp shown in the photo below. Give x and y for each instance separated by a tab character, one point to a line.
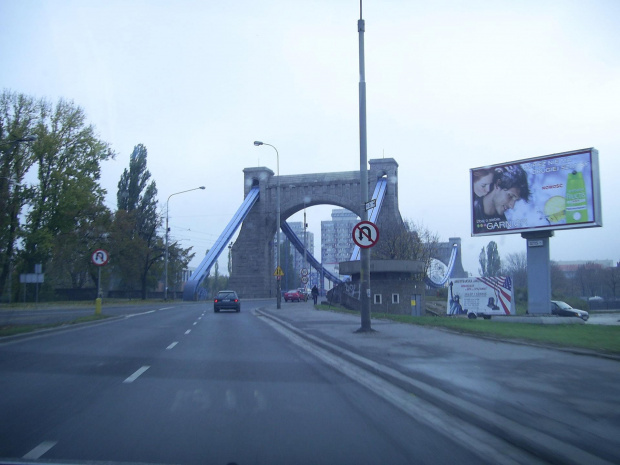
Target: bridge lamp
258	143
166	255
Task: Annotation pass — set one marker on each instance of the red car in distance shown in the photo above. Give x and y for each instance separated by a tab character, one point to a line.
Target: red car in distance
295	295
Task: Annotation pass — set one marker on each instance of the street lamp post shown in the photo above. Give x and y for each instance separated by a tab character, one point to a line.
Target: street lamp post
167	230
364	252
279	282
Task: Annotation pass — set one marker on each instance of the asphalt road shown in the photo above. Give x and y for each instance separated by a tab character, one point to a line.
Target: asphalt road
181	384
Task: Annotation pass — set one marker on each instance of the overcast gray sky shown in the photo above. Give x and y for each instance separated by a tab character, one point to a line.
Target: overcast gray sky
451	85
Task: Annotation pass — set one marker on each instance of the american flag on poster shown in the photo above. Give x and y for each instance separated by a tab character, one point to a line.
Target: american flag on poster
502	287
481	296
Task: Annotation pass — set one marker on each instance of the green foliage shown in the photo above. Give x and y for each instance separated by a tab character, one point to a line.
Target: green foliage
139	249
65	205
490	263
18	118
178	260
68	156
593	337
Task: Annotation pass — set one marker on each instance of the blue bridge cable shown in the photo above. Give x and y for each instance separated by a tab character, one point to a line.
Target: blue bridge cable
191	287
379	195
451	263
296	241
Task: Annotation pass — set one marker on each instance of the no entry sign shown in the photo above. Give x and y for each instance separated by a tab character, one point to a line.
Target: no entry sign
365	234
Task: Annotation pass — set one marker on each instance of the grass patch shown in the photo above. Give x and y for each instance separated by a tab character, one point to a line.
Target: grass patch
12	330
75	304
593	337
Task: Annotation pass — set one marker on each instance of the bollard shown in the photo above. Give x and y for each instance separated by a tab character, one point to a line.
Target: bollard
98	306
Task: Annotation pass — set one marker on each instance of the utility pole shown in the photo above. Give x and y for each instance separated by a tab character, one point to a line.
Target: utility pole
364	252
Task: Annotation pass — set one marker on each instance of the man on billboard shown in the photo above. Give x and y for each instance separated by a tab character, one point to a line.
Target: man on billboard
509	185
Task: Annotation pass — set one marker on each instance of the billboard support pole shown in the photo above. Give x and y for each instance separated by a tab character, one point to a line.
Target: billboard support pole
538	271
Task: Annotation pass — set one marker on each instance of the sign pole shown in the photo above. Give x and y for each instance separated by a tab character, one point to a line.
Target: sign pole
364	253
99	258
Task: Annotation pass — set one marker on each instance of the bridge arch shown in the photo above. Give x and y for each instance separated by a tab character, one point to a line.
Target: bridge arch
253	261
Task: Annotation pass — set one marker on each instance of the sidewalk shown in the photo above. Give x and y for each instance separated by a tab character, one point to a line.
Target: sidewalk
562	406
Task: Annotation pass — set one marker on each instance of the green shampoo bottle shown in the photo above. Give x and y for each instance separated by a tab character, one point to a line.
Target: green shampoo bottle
576	198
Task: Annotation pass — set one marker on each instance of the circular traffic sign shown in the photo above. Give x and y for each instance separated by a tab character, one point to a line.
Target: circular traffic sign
304	280
365	234
304	272
100	257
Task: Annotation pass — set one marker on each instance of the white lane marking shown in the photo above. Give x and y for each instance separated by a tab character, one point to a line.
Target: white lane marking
138	314
188	331
165	308
195	322
41	449
137	374
171	346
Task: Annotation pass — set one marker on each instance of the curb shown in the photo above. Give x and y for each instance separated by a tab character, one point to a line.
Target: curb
536	442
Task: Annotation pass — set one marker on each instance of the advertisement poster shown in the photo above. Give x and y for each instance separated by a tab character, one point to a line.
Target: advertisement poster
481	296
558	191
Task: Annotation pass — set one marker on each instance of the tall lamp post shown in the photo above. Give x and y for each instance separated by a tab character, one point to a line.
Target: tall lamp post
167	230
279	282
365	252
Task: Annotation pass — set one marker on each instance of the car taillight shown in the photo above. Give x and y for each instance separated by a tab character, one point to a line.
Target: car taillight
236	300
214	300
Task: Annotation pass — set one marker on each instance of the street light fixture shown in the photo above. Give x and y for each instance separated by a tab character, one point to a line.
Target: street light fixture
167	230
279	282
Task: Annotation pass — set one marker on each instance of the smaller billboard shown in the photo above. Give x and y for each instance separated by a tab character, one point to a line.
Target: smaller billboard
481	296
559	191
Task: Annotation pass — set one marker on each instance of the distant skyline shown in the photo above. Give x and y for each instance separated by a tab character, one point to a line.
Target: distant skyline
451	85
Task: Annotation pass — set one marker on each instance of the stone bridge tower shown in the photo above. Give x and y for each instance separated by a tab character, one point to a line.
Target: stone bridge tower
253	262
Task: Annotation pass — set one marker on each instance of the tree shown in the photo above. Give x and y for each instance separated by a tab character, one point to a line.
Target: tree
178	261
490	262
516	266
138	247
18	118
611	278
589	278
560	285
66	205
407	241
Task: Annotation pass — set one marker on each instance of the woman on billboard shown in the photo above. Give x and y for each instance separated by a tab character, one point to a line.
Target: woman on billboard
509	185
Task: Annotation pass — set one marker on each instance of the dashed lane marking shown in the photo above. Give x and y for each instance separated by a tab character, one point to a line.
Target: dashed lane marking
136	375
41	449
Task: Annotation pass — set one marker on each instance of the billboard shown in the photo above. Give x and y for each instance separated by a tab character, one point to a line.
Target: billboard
552	192
481	296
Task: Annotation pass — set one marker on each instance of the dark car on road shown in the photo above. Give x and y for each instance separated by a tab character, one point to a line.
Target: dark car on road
563	309
295	295
226	300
